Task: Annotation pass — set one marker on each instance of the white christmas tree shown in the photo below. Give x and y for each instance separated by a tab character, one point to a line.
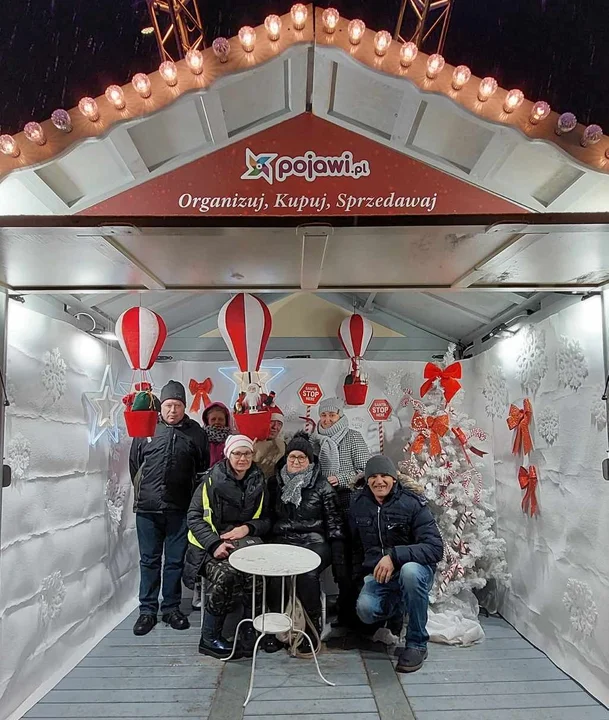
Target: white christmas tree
444	455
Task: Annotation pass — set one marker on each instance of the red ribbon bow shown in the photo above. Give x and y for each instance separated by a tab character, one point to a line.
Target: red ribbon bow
461	437
520	419
201	391
449	379
528	482
430	427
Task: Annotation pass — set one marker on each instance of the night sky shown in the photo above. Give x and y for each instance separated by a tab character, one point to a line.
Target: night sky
52	52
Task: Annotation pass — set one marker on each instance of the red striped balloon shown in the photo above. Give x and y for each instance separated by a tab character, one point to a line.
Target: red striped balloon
355	333
141	334
245	324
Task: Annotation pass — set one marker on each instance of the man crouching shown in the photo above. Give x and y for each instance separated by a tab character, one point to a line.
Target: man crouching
398	544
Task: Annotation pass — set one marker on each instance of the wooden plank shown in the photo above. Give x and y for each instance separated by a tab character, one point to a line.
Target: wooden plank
389	696
471	655
163	695
331	708
492	688
200	681
488	644
303	694
485	672
570	713
138	671
503	702
144	661
114	710
500	631
117	652
230	696
310	680
313	716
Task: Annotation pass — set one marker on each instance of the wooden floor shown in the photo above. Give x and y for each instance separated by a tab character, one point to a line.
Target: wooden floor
162	676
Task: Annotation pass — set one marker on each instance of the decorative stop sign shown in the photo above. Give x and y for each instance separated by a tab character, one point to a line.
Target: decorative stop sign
310	394
380	411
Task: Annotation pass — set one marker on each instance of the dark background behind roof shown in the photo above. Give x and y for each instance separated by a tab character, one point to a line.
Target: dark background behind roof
53	52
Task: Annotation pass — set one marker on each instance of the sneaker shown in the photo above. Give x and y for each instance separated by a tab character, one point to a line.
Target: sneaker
144	624
177	620
411	660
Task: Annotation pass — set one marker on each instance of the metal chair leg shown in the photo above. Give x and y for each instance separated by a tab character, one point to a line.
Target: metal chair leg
252	674
230	657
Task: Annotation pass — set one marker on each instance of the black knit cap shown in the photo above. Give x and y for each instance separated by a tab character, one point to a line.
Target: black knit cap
173	390
380	465
301	442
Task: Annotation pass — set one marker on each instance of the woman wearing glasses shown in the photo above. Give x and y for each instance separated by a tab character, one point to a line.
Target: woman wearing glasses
230	504
305	512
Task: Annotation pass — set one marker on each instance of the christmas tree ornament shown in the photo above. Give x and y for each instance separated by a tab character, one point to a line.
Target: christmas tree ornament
520	421
528	482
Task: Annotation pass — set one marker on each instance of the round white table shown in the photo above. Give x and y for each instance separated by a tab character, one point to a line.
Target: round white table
273	560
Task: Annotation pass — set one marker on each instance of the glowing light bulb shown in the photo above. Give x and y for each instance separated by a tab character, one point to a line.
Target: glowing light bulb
221	48
382	41
592	135
435	65
299	15
566	123
487	88
115	96
8	146
461	76
88	107
169	72
408	53
272	25
62	120
247	38
34	133
194	60
540	112
356	30
513	100
330	18
141	85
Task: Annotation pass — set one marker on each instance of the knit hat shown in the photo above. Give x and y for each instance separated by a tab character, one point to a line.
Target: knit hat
276	414
380	465
237	441
332	404
173	390
301	442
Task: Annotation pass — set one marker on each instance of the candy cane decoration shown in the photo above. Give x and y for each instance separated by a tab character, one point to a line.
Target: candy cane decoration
455	572
381	438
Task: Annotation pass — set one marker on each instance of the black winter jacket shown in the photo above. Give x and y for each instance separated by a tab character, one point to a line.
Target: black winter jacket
164	468
316	520
402	527
219	504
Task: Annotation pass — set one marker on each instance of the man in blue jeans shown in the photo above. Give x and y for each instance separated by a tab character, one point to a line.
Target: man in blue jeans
164	472
396	547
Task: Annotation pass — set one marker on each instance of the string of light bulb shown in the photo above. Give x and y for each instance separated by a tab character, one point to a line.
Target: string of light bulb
247	37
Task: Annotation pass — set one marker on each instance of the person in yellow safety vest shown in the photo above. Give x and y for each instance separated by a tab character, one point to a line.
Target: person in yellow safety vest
230	504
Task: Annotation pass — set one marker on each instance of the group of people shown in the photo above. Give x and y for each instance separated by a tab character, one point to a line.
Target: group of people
200	491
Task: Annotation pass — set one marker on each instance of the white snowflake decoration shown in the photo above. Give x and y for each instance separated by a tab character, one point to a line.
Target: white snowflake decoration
548	425
18	456
357	422
290	413
115	500
397	383
580	603
52	595
54	374
571	363
495	393
598	411
532	361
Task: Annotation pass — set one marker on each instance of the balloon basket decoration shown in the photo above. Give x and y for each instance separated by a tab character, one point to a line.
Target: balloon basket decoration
141	423
255	425
356	393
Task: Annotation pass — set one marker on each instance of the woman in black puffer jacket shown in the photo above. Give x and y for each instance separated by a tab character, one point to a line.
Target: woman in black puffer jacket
305	512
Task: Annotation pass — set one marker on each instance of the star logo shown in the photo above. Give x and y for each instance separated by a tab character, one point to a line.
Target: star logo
259	166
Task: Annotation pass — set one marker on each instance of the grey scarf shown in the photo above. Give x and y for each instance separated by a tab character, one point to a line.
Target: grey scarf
293	484
329	457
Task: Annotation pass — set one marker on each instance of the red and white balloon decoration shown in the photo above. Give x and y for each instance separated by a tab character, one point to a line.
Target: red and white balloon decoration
355	333
141	334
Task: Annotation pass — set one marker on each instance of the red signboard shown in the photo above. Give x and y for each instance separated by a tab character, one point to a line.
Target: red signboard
380	410
310	393
304	167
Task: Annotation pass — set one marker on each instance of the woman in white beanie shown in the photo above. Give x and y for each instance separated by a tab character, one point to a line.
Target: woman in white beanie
231	503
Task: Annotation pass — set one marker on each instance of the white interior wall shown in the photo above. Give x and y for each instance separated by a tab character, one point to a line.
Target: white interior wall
68	572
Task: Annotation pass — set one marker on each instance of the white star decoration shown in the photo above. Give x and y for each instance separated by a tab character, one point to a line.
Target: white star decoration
266	376
104	406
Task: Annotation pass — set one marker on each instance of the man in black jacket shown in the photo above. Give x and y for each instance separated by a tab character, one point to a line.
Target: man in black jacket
399	545
164	472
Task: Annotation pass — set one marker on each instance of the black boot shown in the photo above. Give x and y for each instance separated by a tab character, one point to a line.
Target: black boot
144	624
212	643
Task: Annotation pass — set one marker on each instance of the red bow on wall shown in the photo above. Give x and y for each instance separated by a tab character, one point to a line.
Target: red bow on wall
521	419
201	391
528	482
432	428
449	379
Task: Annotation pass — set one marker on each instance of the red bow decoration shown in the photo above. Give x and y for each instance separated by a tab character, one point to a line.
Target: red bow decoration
201	391
430	427
520	419
461	437
528	482
449	379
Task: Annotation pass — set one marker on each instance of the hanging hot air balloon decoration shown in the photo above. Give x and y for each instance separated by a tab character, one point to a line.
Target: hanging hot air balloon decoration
245	324
355	333
141	334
